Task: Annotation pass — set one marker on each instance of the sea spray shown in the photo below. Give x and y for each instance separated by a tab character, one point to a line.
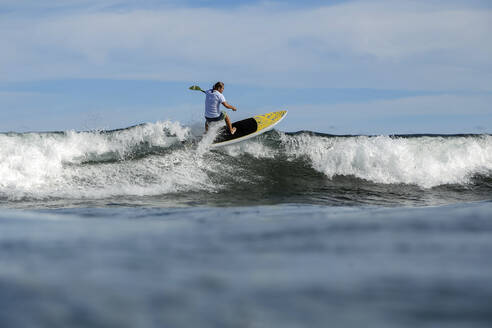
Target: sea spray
97	164
163	158
424	161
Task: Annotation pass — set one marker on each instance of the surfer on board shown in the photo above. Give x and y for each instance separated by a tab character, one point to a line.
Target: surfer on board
213	99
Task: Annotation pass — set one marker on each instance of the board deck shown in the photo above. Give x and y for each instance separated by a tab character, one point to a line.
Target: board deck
248	128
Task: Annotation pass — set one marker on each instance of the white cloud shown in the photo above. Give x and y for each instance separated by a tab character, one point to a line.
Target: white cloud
372	44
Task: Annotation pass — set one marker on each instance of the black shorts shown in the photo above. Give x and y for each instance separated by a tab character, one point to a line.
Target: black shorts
216	119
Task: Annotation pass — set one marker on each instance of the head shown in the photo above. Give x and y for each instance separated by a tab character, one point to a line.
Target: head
219	86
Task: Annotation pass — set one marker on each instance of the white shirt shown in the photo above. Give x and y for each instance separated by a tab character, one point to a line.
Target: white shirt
213	99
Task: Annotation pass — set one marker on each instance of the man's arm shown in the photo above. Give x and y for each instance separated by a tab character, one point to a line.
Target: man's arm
226	105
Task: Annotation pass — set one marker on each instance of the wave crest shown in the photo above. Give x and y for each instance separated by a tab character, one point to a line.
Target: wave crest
164	157
424	161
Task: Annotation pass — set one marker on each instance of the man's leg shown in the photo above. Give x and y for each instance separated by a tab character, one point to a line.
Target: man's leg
229	125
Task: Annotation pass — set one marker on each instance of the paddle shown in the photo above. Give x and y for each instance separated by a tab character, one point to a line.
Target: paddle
196	88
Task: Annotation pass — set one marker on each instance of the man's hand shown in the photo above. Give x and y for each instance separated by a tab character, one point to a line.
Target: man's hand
226	105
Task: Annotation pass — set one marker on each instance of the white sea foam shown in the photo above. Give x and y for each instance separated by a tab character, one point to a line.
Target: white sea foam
423	161
102	164
208	138
252	147
40	165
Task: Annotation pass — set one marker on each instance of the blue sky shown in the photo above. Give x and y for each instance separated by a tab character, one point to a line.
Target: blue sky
341	67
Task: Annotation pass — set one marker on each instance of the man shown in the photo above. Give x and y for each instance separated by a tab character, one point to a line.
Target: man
213	99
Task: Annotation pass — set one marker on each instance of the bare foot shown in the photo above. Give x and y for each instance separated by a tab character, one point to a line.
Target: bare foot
233	130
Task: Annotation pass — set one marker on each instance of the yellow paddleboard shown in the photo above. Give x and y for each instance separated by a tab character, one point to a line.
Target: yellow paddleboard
248	128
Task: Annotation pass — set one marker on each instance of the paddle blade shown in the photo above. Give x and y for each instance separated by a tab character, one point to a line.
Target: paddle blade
196	88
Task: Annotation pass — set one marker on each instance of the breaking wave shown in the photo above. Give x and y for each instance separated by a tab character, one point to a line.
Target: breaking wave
167	158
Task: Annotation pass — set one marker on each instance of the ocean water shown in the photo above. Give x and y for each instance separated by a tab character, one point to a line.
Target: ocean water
148	227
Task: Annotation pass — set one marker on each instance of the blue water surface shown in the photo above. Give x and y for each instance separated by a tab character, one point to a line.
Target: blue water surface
284	265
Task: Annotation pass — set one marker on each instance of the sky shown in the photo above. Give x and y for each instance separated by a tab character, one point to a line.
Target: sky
339	67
